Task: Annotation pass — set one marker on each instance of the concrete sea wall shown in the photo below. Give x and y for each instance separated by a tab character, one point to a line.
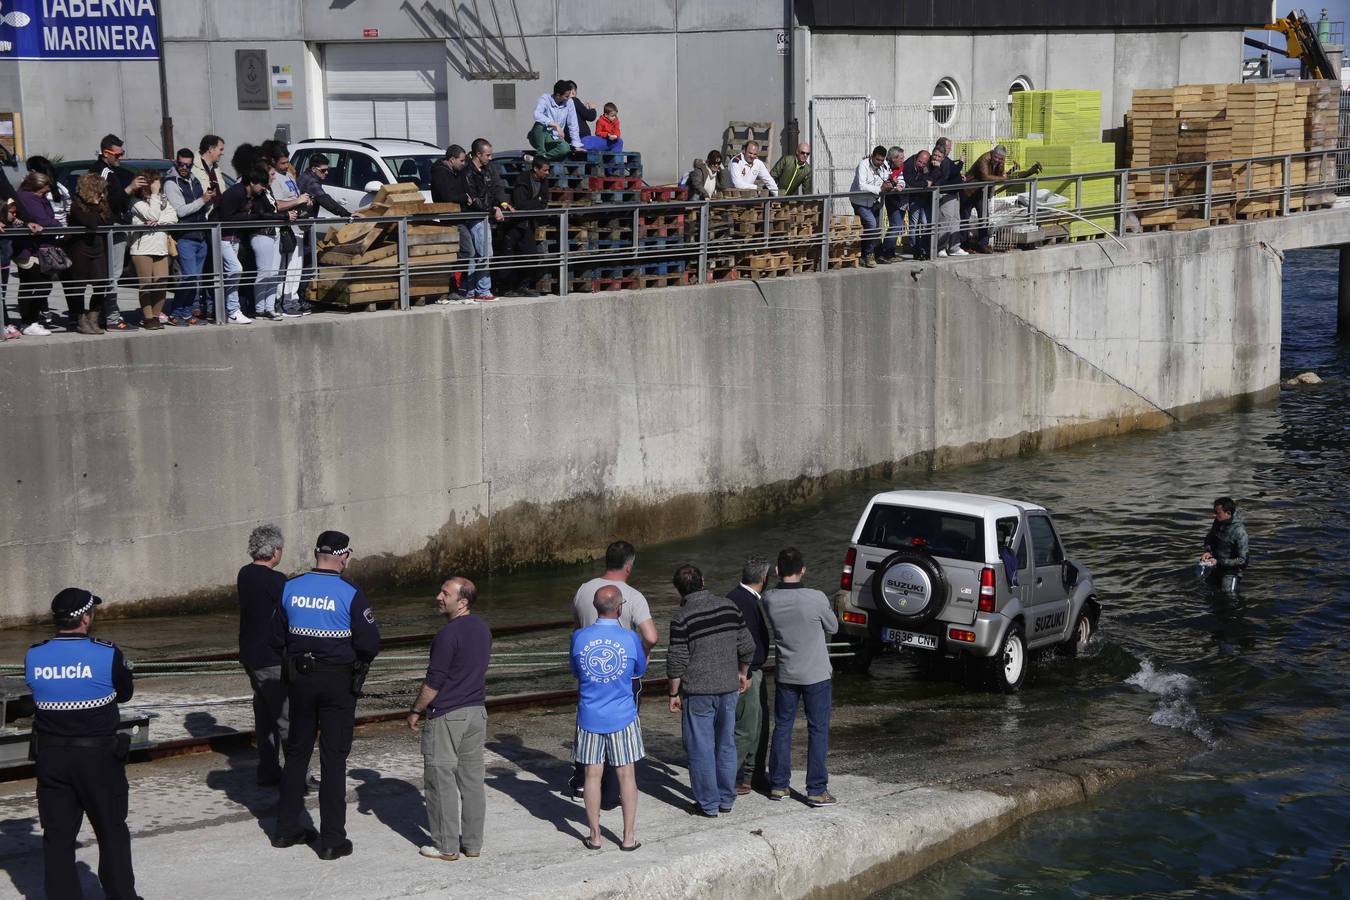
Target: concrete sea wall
530	430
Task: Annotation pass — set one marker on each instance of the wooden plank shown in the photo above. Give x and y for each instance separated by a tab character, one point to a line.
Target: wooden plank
422	247
389	192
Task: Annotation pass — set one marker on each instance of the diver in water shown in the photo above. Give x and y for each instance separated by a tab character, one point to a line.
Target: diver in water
1225	556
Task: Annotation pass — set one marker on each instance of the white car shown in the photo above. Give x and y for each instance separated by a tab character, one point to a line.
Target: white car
949	574
357	168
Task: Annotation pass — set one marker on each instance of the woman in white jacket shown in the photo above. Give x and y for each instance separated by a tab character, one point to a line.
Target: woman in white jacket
150	249
869	182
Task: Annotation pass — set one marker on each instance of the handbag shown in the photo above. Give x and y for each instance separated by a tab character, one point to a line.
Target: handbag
52	260
173	246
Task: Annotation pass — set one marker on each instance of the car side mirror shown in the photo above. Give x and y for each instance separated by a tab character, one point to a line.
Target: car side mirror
1069	573
373	187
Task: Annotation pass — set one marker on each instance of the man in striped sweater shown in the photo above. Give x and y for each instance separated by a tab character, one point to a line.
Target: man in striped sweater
708	666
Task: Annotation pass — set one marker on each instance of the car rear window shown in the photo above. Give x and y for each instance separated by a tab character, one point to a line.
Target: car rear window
945	534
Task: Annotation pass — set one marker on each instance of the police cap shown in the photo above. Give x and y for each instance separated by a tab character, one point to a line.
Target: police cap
73	602
333	542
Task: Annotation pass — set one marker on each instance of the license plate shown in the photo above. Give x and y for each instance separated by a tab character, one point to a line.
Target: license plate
909	639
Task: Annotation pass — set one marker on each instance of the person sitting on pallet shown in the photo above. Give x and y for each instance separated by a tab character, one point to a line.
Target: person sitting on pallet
607	136
555	133
747	172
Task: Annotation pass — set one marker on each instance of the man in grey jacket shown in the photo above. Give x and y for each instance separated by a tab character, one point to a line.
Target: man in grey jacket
708	666
802	620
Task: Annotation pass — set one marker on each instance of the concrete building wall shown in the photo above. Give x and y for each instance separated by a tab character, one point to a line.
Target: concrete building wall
904	68
679	70
532	430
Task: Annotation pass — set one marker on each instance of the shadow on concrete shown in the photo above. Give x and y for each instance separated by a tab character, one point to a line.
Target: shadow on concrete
21	860
542	798
395	803
238	782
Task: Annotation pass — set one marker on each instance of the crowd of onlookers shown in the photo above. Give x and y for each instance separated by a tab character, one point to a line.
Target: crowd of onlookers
718	648
261	265
264	196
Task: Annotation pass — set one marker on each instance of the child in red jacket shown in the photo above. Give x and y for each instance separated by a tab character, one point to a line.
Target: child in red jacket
607	135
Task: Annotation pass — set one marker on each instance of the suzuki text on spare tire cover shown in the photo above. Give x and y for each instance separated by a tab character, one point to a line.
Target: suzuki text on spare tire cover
940	573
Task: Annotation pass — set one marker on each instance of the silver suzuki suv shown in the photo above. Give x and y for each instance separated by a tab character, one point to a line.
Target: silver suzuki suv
941	573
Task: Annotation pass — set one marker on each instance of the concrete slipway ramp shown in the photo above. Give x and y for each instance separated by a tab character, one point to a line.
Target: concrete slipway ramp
200	824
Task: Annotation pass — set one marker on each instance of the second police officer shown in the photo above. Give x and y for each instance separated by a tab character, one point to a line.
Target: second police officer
329	636
77	682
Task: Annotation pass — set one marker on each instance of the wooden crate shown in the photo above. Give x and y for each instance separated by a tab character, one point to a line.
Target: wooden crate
358	261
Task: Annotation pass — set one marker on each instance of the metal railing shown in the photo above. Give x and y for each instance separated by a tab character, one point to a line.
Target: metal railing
698	241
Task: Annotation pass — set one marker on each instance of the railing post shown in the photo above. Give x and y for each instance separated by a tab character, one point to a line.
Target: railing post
934	204
1078	194
826	215
404	268
1209	191
1124	204
1284	194
1033	201
217	243
564	276
767	205
312	251
704	211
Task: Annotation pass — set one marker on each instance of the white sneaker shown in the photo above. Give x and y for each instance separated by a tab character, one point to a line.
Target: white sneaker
164	317
942	253
958	252
36	329
431	852
238	318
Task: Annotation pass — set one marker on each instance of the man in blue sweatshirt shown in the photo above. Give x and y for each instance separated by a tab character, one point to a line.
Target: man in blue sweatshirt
605	658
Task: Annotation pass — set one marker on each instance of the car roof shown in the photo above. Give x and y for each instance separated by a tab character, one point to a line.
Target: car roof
382	146
956	502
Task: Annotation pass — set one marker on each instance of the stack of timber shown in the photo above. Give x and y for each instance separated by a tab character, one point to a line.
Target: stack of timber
1251	107
1153	133
1204	134
358	262
1321	132
1221	122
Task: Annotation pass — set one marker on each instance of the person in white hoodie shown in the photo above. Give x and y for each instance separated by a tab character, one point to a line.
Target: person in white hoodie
747	172
150	250
870	181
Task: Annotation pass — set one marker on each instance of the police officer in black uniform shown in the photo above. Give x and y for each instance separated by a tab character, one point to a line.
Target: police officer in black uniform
77	682
328	635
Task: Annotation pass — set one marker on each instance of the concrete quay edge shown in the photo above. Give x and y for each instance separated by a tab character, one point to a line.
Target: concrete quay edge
850	850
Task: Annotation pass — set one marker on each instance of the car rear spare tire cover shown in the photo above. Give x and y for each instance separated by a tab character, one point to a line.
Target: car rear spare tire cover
909	587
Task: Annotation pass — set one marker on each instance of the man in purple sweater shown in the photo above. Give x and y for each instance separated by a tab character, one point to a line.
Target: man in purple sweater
451	703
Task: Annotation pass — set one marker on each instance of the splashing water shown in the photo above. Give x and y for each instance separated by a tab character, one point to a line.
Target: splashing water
1174	690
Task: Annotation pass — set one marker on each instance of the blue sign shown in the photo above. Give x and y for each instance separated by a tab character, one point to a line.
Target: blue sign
78	29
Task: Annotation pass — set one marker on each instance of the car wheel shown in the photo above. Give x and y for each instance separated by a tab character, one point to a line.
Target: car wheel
864	651
1082	633
1009	665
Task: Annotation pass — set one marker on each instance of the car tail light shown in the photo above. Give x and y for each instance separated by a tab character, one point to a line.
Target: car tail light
846	579
987	590
958	634
855	618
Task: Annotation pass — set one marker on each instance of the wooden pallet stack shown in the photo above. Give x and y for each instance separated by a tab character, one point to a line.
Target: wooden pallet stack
1204	133
1251	108
1321	132
1291	109
845	241
358	262
1153	135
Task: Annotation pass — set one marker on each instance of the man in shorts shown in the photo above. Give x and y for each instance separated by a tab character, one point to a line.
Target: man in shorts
605	658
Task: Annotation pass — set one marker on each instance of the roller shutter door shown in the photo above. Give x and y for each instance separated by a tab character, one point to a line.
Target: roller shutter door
386	89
